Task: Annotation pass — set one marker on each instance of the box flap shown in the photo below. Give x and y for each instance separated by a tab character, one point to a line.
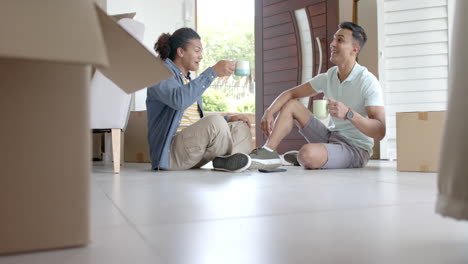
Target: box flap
64	31
126	15
131	66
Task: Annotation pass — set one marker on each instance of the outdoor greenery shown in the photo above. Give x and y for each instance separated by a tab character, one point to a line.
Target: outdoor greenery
214	101
227	42
247	105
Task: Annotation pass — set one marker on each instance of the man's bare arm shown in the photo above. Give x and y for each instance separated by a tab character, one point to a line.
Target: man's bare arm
299	91
374	126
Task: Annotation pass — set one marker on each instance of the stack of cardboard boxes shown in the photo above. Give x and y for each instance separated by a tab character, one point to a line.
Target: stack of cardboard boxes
46	54
136	138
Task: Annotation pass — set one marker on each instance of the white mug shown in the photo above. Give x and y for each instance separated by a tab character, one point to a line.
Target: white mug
242	68
320	109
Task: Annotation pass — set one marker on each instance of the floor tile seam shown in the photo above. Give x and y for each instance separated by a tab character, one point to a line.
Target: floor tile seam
289	186
405	185
384	181
133	226
370	180
309	212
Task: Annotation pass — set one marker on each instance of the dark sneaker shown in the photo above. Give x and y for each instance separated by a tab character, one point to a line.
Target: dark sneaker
291	157
233	163
264	159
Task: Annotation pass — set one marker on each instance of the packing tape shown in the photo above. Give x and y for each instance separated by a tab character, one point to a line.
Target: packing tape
423	115
424	168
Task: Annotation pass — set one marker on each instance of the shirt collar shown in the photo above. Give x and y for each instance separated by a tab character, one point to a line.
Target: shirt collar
354	72
174	66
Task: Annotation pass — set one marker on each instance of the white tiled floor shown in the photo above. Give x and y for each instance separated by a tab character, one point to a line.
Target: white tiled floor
372	215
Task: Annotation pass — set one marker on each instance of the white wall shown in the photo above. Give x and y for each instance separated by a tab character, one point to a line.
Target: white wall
346	10
367	18
159	16
414	66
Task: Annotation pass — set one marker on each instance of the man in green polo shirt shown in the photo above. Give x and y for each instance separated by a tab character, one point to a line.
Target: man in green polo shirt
355	103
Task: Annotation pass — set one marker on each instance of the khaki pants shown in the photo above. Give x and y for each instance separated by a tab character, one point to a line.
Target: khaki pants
207	139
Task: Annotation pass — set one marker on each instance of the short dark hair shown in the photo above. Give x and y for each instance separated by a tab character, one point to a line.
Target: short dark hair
359	34
167	44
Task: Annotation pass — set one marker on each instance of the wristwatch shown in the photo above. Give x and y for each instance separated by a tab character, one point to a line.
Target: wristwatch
349	114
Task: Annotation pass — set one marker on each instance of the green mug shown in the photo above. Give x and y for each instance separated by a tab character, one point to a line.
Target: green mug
321	109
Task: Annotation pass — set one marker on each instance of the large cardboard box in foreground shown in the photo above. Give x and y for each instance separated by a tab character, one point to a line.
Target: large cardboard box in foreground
136	138
419	136
46	53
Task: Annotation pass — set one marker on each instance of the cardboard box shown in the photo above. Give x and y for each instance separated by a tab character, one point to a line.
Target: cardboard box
375	151
97	143
136	138
419	136
45	69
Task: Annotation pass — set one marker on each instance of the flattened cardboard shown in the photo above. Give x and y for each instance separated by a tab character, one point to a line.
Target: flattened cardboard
126	15
62	31
136	138
419	136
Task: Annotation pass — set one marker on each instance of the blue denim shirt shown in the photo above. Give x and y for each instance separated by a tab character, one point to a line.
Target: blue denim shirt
166	103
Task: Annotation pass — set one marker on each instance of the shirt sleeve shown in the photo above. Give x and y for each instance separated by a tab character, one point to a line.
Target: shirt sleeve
319	82
373	95
180	96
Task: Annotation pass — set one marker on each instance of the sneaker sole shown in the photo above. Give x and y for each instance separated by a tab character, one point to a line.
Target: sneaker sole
263	164
231	163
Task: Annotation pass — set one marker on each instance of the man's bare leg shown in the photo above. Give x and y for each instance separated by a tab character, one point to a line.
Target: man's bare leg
266	157
310	156
292	110
313	156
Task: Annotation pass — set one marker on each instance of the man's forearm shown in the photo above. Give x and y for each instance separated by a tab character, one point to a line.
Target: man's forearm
283	98
297	92
370	127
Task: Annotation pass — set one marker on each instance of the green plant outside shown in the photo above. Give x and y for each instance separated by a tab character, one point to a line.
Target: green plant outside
215	101
228	41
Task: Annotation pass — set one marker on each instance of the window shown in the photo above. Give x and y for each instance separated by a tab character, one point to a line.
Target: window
227	32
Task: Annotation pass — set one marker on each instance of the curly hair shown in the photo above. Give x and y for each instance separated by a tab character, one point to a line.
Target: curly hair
167	44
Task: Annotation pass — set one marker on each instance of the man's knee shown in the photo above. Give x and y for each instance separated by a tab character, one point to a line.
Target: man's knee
214	119
297	111
241	128
291	106
241	137
216	122
313	156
